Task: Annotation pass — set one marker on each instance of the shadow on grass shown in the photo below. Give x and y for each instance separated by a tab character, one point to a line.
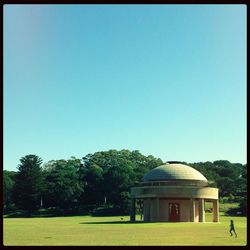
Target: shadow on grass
44	214
111	222
121	222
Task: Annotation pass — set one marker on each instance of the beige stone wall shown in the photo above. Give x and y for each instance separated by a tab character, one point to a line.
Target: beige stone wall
157	199
184	210
146	210
163	207
151	212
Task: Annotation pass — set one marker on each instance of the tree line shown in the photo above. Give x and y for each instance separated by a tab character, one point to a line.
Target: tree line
102	180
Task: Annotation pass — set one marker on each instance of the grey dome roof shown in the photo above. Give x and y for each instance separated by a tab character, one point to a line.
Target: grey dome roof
173	171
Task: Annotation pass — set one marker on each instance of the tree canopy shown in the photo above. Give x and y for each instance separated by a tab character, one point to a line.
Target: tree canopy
29	183
103	179
62	184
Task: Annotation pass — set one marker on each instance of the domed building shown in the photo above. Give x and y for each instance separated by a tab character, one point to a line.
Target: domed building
174	192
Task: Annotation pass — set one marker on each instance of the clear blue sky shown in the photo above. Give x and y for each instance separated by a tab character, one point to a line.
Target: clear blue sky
167	80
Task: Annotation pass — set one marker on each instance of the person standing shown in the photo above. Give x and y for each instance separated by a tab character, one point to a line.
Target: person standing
232	229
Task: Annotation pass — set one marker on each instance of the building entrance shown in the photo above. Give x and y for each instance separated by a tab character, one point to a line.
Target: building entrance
174	212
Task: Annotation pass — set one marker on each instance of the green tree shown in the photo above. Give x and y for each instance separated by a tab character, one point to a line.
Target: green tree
208	169
111	174
93	189
8	185
29	184
243	206
118	179
229	177
241	183
63	186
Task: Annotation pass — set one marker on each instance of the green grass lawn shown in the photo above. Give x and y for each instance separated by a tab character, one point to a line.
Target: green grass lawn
87	230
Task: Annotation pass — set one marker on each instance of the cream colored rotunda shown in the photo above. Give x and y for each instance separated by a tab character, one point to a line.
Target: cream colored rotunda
174	192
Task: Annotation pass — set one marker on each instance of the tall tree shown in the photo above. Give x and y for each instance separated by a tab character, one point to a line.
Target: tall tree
109	175
93	189
8	184
63	186
29	183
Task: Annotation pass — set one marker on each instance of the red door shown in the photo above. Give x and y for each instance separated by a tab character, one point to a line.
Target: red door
174	212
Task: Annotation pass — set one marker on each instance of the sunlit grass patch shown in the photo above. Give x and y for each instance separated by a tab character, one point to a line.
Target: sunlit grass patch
87	230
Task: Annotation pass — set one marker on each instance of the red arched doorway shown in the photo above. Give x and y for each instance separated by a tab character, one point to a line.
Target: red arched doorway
174	212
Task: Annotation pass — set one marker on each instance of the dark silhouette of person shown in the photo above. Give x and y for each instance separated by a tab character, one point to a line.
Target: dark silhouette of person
232	229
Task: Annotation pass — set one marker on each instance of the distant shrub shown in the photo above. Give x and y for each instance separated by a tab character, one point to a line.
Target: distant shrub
107	212
48	212
243	206
234	211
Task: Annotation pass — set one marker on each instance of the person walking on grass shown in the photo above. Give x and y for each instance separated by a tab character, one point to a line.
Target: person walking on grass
232	229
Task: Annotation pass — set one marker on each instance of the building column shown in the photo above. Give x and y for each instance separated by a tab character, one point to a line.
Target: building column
146	210
151	209
201	210
215	210
158	208
192	210
132	210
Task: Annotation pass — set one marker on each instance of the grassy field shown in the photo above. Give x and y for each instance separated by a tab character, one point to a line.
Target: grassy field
87	230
